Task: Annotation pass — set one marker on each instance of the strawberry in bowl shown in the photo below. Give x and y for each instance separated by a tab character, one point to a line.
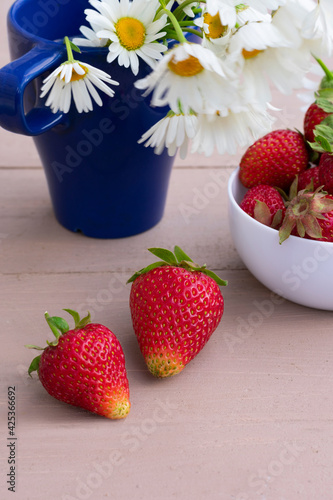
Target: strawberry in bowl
286	241
300	269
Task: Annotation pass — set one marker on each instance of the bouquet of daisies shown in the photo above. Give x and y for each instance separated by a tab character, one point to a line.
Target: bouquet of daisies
218	87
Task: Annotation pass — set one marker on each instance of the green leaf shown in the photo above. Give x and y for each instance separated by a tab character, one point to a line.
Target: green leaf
74	47
293	188
52	344
323	144
215	277
181	255
29	346
34	365
325	131
328	121
300	228
192	266
58	325
315	146
164	254
262	213
325	105
170	259
286	228
312	227
84	321
325	93
79	323
75	315
145	270
277	219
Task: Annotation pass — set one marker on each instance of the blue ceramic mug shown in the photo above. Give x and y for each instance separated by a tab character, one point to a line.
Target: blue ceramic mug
101	181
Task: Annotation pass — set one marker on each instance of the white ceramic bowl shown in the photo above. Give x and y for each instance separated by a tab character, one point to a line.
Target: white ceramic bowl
299	270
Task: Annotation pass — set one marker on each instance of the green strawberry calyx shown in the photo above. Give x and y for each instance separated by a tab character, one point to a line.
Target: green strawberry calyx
263	214
178	258
59	327
324	95
323	134
303	211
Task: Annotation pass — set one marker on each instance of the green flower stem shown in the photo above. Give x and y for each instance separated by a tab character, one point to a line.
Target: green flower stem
328	73
179	33
193	31
170	34
186	23
179	10
69	49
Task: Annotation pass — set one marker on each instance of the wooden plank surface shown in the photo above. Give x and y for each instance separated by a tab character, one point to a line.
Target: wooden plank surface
249	419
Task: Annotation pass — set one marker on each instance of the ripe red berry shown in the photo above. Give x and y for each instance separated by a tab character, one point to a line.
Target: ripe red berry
265	204
313	117
275	159
325	172
175	307
84	367
308	176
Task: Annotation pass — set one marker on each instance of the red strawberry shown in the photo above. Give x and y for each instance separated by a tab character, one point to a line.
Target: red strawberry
309	214
265	204
326	172
275	159
84	367
175	306
313	117
310	175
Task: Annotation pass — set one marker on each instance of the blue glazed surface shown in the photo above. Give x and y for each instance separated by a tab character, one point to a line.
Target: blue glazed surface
101	181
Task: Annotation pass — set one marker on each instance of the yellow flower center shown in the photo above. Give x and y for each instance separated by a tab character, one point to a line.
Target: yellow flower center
250	54
188	67
76	76
131	33
215	27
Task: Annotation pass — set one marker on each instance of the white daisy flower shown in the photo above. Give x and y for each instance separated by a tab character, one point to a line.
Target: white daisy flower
79	80
283	67
290	19
318	24
228	12
250	15
188	8
212	26
226	9
131	30
90	38
217	36
265	5
192	76
226	133
258	36
172	132
267	54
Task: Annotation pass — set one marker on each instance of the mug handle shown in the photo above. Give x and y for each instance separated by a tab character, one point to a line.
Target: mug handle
14	79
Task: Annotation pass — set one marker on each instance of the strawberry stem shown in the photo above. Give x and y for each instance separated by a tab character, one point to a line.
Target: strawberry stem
328	73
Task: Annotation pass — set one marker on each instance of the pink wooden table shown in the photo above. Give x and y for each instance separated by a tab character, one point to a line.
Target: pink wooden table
250	418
